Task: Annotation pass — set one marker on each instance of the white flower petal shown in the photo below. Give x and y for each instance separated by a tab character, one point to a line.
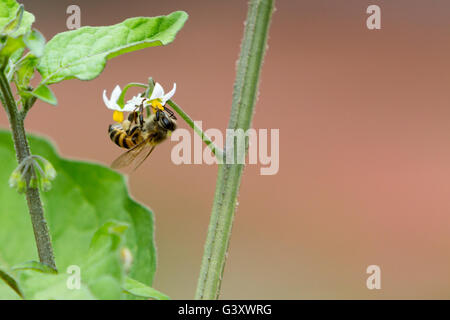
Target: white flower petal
137	100
105	99
158	92
129	107
109	104
169	94
116	94
133	103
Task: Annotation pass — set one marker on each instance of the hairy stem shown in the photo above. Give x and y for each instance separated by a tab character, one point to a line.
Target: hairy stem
16	121
27	106
229	175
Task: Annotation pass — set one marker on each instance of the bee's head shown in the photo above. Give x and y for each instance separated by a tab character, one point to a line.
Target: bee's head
165	121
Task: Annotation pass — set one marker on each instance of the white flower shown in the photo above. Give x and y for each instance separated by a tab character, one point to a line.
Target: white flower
134	102
158	98
111	104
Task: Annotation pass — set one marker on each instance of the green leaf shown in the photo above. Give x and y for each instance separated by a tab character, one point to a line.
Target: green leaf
10	46
34	265
10	68
83	53
11	282
101	275
35	42
103	270
139	289
36	285
45	94
14	21
25	71
16	55
84	196
6	293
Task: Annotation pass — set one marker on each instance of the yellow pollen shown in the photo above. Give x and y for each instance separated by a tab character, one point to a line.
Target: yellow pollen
118	116
156	104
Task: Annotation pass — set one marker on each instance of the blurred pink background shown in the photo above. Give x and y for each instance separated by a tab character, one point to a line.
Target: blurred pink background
364	119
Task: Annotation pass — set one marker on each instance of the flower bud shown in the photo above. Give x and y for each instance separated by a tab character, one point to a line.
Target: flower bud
14	178
33	183
21	186
49	170
127	258
45	184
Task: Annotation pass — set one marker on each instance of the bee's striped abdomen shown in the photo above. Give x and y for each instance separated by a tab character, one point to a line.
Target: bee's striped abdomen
122	139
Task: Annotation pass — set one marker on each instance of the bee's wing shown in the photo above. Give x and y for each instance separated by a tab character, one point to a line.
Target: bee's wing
146	153
128	157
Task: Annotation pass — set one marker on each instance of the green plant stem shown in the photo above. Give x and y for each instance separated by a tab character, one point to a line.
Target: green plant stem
121	99
29	102
205	138
16	121
229	175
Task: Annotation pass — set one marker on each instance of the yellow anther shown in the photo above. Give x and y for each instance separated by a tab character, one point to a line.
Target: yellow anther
118	116
156	104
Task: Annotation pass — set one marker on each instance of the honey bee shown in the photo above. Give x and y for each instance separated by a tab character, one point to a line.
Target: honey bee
141	135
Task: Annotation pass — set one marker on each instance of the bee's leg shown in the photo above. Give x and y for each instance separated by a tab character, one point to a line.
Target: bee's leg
126	125
141	115
132	117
